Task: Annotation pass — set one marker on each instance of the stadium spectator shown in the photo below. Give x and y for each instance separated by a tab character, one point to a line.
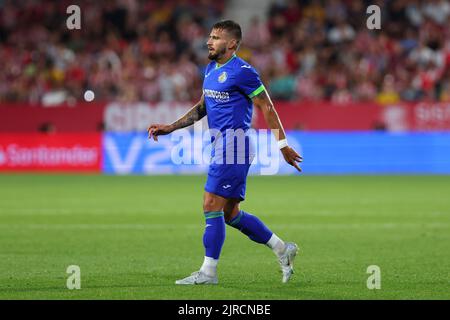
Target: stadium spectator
136	50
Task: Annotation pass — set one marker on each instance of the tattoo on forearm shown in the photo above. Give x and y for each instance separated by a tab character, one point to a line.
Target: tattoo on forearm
194	114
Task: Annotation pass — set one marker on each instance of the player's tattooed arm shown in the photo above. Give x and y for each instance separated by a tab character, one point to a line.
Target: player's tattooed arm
263	102
197	112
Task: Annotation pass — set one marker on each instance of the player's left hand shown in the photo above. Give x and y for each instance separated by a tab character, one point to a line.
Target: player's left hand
292	157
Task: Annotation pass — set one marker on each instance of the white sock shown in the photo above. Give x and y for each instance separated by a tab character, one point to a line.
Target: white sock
209	266
276	244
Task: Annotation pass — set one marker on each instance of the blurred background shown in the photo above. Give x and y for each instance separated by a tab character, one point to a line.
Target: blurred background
372	98
131	50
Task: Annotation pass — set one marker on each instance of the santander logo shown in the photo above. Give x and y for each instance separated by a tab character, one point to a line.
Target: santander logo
63	151
15	155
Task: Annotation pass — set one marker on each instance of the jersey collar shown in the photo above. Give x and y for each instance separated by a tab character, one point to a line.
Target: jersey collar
221	65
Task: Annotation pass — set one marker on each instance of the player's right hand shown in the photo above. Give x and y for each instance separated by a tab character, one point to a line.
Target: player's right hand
156	130
292	157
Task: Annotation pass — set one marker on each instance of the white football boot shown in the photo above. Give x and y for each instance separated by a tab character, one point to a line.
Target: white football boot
198	277
287	261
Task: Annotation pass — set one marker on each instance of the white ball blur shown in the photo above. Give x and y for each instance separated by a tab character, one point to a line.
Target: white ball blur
89	95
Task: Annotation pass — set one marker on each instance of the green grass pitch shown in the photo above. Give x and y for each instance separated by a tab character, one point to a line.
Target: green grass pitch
133	236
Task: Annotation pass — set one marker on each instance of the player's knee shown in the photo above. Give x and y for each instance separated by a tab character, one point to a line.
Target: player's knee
230	211
210	204
227	215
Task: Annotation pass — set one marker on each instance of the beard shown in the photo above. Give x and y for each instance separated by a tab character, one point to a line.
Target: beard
217	54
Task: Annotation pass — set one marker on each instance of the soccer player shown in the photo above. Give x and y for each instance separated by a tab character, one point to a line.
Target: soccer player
230	89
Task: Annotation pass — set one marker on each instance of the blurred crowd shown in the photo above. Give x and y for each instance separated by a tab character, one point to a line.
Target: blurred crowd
140	50
324	50
127	50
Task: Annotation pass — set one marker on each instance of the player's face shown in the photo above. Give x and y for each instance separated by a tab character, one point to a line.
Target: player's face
217	44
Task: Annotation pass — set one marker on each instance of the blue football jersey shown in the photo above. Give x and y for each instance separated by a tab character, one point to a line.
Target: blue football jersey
228	90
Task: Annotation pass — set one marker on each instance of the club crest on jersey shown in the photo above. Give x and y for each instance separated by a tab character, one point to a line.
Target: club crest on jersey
222	77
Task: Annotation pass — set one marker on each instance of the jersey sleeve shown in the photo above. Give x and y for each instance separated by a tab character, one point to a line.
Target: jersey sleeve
248	81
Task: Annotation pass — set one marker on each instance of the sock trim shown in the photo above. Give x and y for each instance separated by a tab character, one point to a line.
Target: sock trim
236	219
213	214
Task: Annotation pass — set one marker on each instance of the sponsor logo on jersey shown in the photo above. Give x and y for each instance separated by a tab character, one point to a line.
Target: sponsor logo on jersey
219	96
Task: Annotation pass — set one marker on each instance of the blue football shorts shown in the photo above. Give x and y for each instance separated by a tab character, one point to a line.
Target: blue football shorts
228	180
